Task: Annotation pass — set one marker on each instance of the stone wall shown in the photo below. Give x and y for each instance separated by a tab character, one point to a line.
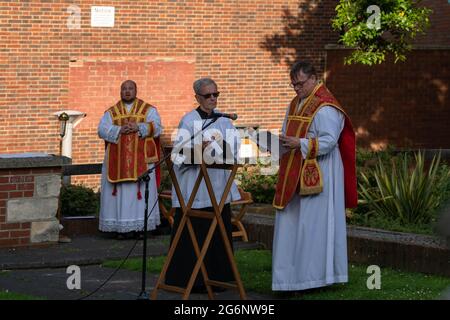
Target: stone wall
397	250
29	195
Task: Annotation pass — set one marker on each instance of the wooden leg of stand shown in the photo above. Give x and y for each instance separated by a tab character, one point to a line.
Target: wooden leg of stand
218	212
184	220
200	261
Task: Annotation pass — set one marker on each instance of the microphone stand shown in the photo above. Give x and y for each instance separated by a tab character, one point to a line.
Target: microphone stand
143	295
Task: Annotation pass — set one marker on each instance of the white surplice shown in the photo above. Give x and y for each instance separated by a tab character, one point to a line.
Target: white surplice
187	175
310	245
124	212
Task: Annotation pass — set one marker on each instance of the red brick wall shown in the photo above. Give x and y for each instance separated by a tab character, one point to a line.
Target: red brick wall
94	86
439	32
225	38
17	183
403	104
245	45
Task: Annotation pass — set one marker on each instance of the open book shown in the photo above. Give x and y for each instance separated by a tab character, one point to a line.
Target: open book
268	142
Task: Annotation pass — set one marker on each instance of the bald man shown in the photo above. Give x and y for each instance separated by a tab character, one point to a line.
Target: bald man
131	130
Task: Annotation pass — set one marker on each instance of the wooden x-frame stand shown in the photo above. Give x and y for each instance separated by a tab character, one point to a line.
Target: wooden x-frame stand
216	218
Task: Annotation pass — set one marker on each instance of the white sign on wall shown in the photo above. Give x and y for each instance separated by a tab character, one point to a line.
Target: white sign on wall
102	16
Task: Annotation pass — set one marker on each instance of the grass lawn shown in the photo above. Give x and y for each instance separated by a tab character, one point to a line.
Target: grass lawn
255	267
6	295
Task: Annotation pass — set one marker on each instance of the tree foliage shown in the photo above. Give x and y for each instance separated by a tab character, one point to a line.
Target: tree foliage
375	28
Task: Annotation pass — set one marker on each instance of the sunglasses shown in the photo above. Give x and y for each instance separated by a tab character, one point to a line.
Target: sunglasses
299	84
208	95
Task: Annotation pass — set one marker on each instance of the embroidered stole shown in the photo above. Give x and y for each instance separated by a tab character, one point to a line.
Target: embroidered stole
128	159
304	176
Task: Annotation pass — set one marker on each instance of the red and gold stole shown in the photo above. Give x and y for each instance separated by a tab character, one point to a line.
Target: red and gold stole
305	176
128	159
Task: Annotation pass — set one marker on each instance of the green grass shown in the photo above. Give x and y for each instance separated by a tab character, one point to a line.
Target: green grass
154	264
380	222
395	285
5	295
255	267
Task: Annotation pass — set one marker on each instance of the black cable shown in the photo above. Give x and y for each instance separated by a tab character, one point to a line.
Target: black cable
159	193
123	261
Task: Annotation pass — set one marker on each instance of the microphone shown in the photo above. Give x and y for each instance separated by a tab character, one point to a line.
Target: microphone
232	116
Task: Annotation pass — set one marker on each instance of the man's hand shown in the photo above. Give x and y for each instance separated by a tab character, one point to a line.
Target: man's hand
205	144
290	142
131	127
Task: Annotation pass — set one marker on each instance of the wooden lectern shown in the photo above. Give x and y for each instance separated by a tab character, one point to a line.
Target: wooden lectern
217	221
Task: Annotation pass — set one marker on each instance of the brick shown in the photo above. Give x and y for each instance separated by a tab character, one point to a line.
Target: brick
10	226
16	194
20	234
21	179
8	187
25	186
4	179
192	40
24	241
25	225
28	193
4	234
9	242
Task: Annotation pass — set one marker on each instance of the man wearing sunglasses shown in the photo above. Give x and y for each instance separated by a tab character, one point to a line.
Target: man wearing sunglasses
316	182
220	138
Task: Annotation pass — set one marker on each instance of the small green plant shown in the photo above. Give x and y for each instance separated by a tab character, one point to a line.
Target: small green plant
166	181
376	28
78	200
261	186
405	192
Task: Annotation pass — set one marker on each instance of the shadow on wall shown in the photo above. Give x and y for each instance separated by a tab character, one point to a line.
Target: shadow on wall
304	35
403	104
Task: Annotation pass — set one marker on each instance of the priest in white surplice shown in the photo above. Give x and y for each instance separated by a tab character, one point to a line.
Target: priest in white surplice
131	130
317	181
219	137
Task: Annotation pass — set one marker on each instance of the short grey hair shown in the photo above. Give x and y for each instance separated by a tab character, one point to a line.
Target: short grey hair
198	84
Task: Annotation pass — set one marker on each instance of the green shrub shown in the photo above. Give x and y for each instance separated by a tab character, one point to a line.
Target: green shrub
261	186
78	200
166	181
400	21
405	192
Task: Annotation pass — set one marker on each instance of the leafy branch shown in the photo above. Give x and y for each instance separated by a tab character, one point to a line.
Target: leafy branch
389	26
